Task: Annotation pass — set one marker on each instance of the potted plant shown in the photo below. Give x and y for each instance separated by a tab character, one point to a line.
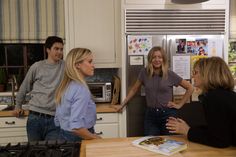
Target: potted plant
2	79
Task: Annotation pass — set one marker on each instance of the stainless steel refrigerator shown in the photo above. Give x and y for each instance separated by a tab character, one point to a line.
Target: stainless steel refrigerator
137	47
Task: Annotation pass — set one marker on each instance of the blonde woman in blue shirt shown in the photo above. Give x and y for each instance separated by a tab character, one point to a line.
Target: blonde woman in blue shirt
76	111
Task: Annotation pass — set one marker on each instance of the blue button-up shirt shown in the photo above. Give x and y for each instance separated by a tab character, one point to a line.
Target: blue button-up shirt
77	109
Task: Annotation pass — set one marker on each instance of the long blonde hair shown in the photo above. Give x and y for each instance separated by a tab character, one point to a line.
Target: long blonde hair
164	66
214	73
75	56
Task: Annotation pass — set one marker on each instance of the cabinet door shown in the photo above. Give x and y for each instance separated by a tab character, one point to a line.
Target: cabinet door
13	135
13	140
107	125
95	27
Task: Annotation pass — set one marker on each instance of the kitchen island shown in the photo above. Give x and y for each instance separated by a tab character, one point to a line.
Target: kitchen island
122	147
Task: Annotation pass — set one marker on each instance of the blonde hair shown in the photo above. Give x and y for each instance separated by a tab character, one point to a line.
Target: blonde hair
76	55
214	73
164	66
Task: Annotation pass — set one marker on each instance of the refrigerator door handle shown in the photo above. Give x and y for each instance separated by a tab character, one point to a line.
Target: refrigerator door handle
164	43
169	49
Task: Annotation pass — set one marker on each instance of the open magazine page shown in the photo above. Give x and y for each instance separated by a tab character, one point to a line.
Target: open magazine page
160	145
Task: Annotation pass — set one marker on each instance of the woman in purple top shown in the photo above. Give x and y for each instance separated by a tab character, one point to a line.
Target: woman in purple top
158	82
76	111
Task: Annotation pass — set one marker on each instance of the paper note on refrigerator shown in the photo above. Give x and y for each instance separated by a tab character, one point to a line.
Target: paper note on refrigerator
181	66
136	60
215	47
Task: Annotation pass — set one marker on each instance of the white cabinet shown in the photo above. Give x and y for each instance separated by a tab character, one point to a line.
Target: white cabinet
13	130
107	125
94	25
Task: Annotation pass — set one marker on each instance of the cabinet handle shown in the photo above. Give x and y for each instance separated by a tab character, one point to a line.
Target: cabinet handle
99	133
10	123
99	118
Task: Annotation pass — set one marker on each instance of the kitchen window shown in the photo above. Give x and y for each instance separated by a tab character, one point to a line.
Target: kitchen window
15	59
23	31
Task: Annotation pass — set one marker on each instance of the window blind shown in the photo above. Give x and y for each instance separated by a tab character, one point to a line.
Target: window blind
31	21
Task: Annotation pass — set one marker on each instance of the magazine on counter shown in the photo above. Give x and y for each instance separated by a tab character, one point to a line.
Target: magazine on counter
160	145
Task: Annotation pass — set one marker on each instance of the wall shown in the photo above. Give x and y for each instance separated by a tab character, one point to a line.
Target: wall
232	27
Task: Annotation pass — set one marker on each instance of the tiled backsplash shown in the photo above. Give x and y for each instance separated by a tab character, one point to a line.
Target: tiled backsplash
103	75
100	75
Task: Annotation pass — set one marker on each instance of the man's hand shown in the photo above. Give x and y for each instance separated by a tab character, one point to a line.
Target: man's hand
18	112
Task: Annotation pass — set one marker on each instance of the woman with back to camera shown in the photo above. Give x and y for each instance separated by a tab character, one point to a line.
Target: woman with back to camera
158	82
76	111
213	76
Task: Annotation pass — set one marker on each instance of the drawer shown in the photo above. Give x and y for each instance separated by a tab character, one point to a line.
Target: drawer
107	130
107	118
7	122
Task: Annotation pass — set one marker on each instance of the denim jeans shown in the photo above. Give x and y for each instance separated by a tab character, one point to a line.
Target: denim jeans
70	136
155	121
40	128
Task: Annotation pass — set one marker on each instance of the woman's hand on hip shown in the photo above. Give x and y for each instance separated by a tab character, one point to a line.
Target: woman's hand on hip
171	104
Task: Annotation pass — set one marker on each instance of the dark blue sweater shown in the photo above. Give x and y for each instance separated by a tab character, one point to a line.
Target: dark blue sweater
220	112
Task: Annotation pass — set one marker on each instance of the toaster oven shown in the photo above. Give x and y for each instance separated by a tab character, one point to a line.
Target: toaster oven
101	91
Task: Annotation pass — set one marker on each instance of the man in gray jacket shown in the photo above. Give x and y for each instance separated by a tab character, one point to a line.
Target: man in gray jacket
41	82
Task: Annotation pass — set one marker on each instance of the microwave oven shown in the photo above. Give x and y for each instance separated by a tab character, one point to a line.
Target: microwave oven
101	91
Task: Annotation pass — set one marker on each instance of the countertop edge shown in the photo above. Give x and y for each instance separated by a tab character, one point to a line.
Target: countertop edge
101	108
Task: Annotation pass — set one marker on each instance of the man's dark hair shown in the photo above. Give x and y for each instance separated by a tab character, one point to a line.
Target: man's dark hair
51	40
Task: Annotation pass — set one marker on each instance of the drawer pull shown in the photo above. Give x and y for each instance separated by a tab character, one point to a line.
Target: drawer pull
100	133
10	123
99	118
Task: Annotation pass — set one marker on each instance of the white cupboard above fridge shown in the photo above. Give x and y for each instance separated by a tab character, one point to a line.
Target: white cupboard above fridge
95	25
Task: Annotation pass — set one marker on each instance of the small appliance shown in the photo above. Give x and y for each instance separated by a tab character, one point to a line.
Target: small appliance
101	91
